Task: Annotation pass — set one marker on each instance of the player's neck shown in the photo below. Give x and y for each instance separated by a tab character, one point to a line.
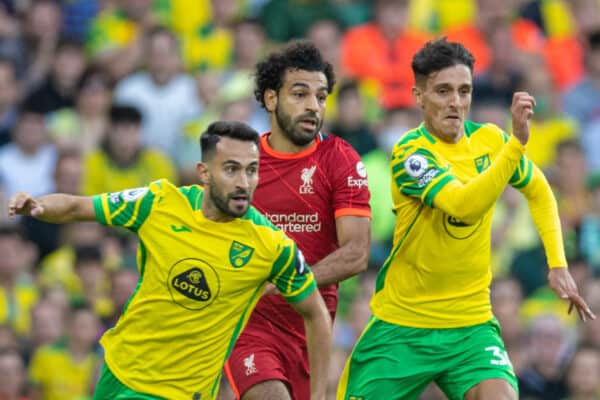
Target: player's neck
450	138
212	212
281	144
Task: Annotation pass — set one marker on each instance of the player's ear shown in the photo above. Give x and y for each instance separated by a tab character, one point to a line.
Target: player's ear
203	172
417	95
270	97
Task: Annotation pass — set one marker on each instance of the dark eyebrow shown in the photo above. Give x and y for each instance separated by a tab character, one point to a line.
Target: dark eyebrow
231	162
305	86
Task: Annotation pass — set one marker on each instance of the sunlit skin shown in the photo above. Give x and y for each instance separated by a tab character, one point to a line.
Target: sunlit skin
445	98
297	110
230	176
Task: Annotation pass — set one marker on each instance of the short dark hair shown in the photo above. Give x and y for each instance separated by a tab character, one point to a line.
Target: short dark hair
298	55
87	253
437	55
594	39
348	88
10	230
124	113
219	129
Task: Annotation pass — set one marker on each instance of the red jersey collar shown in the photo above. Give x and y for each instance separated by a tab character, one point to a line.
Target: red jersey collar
288	156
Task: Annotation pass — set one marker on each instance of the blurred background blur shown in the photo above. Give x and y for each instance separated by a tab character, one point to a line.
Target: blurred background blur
103	95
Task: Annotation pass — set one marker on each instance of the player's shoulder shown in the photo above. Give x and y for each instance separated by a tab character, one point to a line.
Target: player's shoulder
260	226
413	139
487	129
334	150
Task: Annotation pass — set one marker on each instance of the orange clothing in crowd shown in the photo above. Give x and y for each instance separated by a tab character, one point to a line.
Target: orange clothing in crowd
564	58
526	37
366	53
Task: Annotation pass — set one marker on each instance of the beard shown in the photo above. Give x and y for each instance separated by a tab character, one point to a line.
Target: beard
221	201
293	131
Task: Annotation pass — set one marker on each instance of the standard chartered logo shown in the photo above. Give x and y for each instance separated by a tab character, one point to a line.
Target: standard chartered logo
296	222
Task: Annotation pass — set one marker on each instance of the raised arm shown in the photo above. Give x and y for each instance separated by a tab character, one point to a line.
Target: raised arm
317	323
354	237
469	202
55	208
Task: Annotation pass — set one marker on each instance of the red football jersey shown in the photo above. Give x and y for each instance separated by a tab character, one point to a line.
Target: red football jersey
303	194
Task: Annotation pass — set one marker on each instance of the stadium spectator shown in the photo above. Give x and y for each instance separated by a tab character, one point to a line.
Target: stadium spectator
583	103
12	375
583	374
524	34
9	92
589	234
47	324
543	377
40	35
18	293
165	95
67	369
350	123
123	284
83	126
123	161
28	162
59	88
382	50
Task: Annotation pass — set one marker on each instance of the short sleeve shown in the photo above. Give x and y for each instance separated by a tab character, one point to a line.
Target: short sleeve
351	192
416	172
290	273
129	208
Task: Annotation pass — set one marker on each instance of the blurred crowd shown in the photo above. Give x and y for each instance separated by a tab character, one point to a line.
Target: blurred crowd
104	95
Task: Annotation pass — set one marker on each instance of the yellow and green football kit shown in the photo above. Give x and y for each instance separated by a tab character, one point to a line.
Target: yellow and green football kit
199	282
54	371
436	279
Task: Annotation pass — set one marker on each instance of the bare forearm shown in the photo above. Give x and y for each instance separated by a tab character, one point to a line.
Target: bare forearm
318	339
61	208
343	263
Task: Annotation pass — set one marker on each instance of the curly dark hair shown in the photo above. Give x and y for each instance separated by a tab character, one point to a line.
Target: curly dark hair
439	54
299	55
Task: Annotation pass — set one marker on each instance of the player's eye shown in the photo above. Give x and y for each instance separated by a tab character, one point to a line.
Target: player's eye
251	170
298	95
230	169
322	98
442	91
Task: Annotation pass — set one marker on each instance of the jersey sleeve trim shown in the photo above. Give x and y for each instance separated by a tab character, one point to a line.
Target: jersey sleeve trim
303	292
523	174
352	212
101	209
434	190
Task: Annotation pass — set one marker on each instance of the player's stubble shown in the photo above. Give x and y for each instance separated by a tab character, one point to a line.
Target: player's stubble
291	129
221	200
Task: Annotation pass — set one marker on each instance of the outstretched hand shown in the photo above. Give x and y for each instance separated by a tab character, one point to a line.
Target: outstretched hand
24	204
564	286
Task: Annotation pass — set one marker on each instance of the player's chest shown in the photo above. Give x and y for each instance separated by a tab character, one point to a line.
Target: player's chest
298	184
468	164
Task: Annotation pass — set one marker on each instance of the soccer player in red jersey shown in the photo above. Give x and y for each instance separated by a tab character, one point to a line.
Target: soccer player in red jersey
314	187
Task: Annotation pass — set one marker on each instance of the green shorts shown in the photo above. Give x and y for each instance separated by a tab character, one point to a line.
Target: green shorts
110	388
395	362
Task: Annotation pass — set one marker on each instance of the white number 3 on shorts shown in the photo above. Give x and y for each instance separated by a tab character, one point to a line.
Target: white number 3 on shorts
501	357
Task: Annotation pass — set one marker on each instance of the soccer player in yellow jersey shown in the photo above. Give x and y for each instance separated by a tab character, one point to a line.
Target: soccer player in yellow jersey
432	318
205	256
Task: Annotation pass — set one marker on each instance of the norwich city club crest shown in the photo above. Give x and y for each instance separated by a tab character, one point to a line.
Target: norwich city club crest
482	163
239	254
